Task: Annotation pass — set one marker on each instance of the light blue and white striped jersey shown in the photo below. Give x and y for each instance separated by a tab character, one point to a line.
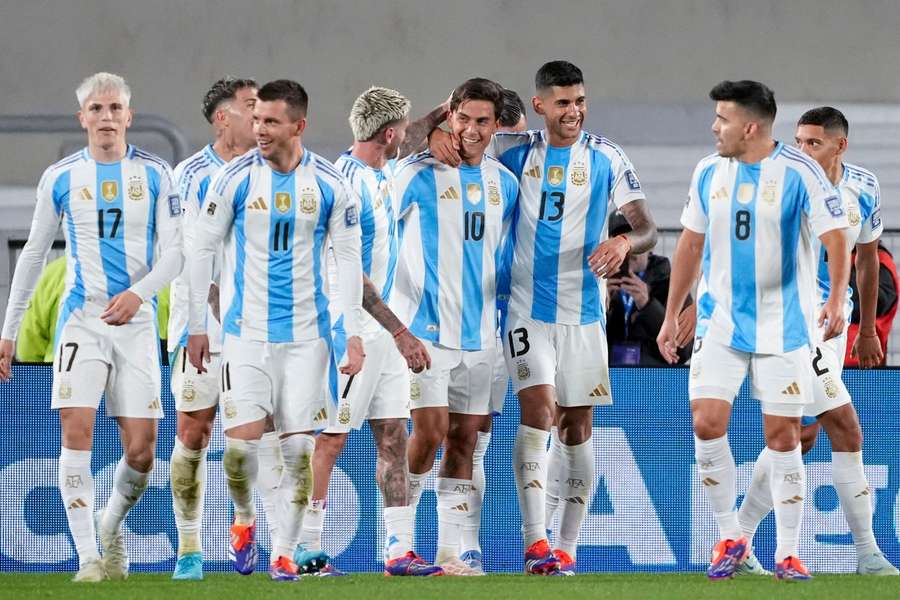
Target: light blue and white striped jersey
862	198
276	228
115	217
758	267
192	176
453	224
372	192
562	218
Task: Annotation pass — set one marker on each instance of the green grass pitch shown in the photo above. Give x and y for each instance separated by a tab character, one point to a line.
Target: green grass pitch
376	587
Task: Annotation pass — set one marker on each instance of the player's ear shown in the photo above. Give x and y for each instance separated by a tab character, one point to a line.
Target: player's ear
80	114
301	125
537	103
842	144
129	118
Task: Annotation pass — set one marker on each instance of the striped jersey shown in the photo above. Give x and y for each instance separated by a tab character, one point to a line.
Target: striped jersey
562	218
115	219
192	176
276	228
862	197
453	223
372	192
758	266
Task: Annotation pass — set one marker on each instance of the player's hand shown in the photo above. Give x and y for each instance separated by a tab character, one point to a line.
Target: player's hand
832	319
7	351
637	289
198	351
867	349
686	326
121	308
609	256
213	300
445	147
355	356
414	351
666	341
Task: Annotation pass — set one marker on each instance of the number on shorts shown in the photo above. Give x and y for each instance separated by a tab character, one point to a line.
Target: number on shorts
62	347
226	378
819	371
347	387
698	343
522	334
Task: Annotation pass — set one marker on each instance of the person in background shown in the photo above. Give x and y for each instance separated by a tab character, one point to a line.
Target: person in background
35	341
885	310
637	306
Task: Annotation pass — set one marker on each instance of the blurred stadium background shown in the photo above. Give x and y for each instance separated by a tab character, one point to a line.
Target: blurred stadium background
648	66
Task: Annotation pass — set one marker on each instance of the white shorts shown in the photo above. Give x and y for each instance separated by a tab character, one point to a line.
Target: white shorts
782	383
829	391
193	390
379	391
572	358
123	361
458	379
284	380
499	382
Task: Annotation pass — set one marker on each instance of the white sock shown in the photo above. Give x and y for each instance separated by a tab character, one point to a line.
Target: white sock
415	482
398	526
187	477
554	467
717	473
849	477
788	481
530	464
271	466
472	528
313	523
295	490
758	499
128	487
76	486
575	491
453	511
241	463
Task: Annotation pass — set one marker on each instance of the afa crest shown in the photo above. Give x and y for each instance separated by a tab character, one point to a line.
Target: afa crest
283	201
415	390
109	189
555	175
578	175
853	216
493	195
65	391
188	393
522	370
136	189
308	202
344	414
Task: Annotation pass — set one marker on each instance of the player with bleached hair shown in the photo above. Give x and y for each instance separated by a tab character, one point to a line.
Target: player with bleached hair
380	392
121	217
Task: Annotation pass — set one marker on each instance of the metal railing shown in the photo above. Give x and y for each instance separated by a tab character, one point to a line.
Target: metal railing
18	124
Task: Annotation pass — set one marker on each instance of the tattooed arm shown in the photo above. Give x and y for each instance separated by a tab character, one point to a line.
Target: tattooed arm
417	132
410	347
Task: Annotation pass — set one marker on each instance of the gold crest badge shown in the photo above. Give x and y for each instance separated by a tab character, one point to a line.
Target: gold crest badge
65	390
344	414
109	189
555	175
768	192
283	201
493	195
578	175
415	390
745	193
187	392
230	409
522	370
308	201
853	216
136	188
831	388
473	192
